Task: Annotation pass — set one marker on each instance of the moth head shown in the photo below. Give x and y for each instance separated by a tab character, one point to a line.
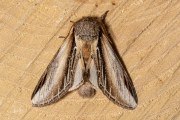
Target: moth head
87	28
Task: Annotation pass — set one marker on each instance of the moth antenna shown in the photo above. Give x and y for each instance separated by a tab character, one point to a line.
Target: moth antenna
103	16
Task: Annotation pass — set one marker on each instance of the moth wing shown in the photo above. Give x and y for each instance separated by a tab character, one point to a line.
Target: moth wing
114	81
57	79
93	73
78	78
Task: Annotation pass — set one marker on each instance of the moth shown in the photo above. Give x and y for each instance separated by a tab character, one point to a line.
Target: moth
86	61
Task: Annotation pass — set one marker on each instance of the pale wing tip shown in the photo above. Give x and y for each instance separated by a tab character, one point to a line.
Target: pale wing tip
132	105
36	102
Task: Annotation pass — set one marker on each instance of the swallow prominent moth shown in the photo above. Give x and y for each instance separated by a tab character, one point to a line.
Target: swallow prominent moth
86	61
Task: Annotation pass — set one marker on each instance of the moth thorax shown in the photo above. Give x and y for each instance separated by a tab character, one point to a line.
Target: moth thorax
86	90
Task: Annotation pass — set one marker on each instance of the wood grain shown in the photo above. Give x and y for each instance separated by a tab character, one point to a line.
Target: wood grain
146	34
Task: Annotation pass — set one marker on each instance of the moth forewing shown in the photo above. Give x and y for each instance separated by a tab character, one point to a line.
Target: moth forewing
122	90
77	75
93	74
53	83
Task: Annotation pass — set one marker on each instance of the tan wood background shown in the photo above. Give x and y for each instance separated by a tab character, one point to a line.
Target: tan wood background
145	32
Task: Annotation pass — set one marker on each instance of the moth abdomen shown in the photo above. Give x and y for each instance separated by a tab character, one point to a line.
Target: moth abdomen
86	90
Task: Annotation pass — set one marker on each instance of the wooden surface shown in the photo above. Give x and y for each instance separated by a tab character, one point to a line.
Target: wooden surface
145	32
